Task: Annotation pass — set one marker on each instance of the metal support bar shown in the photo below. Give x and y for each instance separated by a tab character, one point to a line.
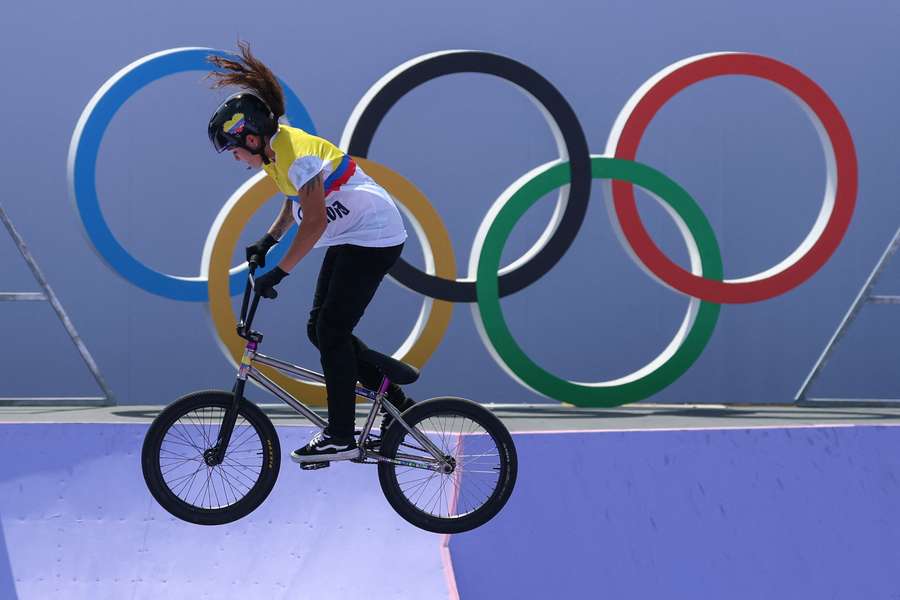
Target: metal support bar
49	296
865	296
54	401
285	397
22	296
884	299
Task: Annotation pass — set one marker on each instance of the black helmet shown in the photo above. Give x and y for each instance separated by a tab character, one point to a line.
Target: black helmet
241	114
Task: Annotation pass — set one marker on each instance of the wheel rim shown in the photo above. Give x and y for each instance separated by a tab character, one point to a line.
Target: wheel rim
476	475
185	472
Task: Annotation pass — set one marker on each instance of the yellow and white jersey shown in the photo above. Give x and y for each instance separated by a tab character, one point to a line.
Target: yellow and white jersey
359	211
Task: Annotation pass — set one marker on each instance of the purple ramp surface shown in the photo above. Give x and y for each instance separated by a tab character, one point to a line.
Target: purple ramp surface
7	587
763	514
78	522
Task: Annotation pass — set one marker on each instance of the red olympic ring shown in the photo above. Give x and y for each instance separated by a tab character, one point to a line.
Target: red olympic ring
840	192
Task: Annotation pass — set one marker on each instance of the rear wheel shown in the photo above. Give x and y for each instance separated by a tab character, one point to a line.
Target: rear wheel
478	480
178	465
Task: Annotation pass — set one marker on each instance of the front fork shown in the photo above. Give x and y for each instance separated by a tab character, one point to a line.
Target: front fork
217	452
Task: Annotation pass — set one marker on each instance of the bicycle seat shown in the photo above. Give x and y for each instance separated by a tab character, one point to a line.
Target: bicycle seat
397	371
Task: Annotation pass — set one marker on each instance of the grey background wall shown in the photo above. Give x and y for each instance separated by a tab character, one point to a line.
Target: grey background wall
741	147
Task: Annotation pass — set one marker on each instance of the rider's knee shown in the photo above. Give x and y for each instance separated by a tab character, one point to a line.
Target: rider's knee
330	335
311	333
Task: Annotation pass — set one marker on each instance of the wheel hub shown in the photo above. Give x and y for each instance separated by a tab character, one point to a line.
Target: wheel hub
210	457
449	466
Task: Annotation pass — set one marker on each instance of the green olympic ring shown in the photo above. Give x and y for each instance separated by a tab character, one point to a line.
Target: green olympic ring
682	351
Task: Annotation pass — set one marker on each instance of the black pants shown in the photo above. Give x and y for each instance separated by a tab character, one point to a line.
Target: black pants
347	282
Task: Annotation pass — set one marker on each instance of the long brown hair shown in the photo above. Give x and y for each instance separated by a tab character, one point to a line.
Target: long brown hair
249	73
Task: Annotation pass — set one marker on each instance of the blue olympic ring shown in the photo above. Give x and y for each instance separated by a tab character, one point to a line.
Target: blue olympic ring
82	168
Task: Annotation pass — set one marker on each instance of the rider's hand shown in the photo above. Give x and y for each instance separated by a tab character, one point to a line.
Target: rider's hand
265	284
260	248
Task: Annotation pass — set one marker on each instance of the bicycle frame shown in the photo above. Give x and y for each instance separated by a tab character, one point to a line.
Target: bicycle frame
247	370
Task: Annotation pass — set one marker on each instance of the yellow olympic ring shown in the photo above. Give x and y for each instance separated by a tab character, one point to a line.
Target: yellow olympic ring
434	317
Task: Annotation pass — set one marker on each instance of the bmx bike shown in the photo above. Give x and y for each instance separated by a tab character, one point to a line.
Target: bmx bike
446	464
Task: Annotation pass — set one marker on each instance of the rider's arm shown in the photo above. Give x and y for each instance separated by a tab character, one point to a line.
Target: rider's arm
312	201
283	222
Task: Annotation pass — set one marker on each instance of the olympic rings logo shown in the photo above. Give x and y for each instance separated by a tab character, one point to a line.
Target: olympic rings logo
82	166
486	283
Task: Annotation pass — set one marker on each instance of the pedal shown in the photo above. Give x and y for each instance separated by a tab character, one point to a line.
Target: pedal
314	465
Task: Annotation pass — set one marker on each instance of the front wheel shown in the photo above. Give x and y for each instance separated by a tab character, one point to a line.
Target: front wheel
464	495
182	473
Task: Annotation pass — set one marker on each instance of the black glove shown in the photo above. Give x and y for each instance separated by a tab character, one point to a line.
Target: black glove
265	284
260	248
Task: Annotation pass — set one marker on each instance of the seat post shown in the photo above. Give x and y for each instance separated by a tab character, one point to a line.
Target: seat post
376	404
382	389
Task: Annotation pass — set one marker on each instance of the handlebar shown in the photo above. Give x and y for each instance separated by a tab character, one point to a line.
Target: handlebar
246	320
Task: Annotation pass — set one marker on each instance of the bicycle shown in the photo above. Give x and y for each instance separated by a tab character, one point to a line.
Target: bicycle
212	457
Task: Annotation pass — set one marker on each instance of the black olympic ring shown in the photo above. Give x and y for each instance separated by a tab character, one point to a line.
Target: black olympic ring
386	92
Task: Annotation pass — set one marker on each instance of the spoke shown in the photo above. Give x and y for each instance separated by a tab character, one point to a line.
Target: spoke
215	491
424	485
472	457
239	473
205	428
418	488
423	478
186	430
184	478
242	427
189	483
435	493
456	478
223	476
175	454
234	483
242	465
443	431
242	443
478	488
173	467
478	503
223	481
165	463
194	447
190	419
187	440
206	486
168	461
444	503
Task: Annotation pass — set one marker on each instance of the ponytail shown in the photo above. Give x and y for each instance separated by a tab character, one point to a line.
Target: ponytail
251	74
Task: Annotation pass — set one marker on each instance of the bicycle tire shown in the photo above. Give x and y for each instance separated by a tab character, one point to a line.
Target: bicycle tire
507	468
217	401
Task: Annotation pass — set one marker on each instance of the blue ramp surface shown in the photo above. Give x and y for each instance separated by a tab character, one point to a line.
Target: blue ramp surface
78	522
737	514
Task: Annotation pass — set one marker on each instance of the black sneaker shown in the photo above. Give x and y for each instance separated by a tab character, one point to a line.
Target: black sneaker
323	448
